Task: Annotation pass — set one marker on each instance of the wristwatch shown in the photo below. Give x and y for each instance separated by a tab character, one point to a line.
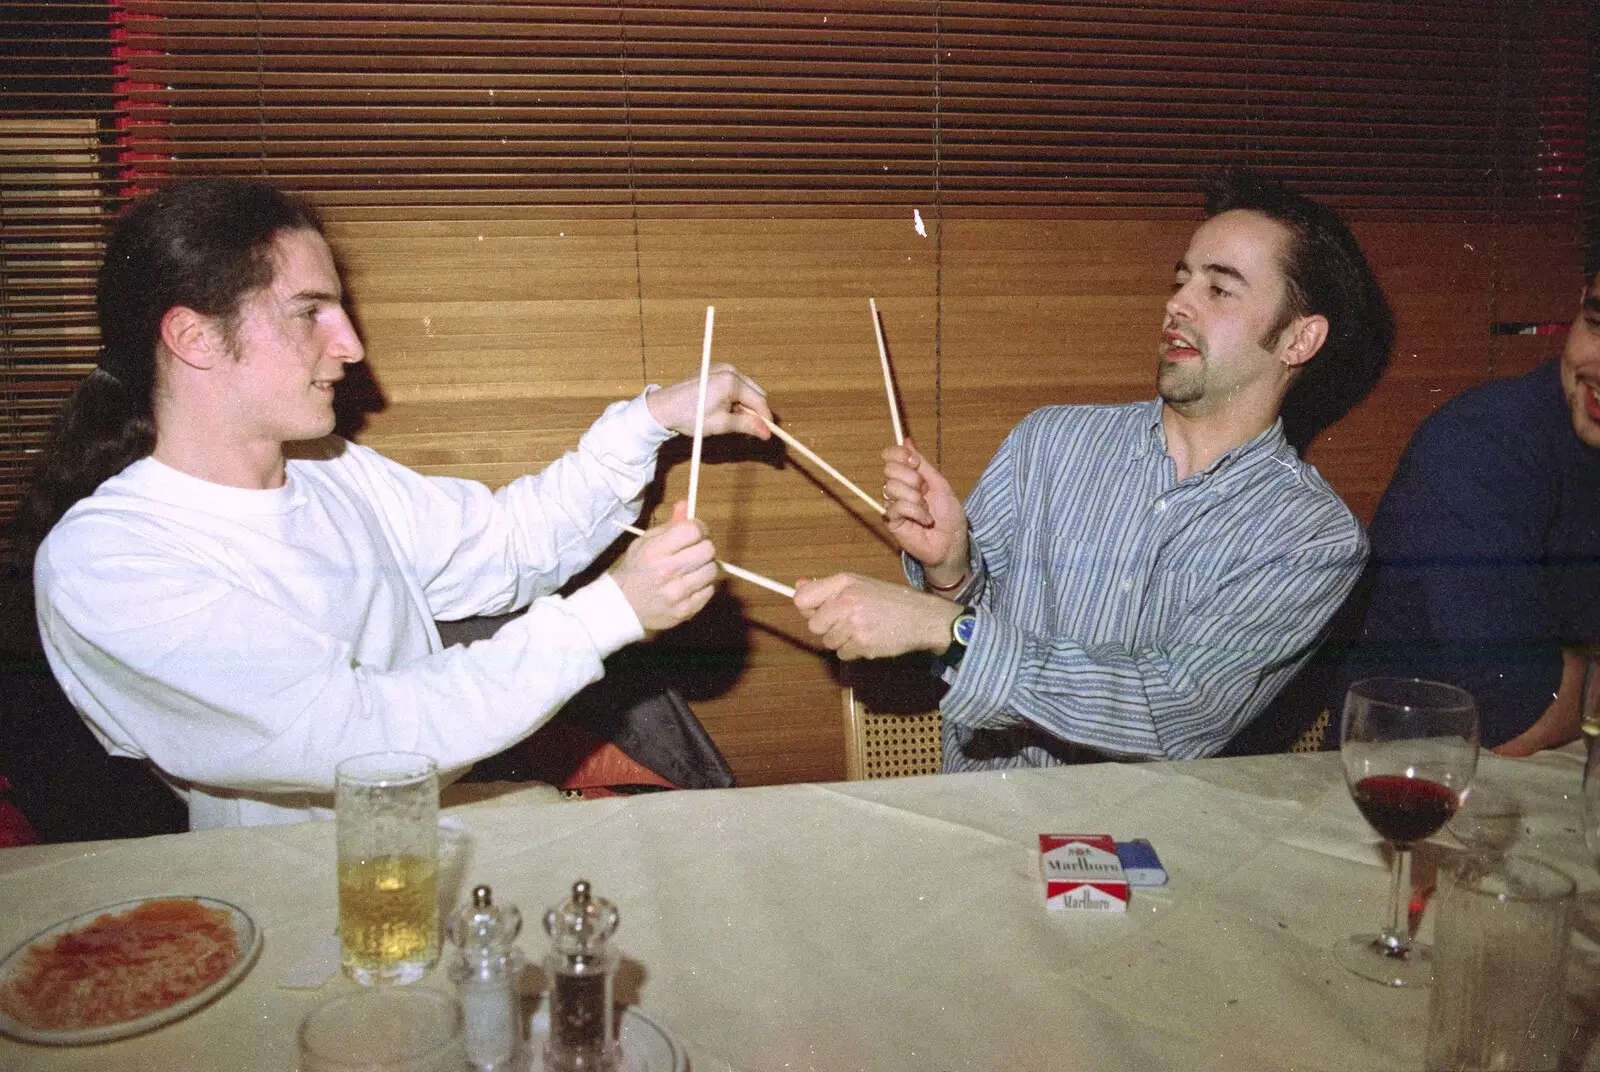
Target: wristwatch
960	637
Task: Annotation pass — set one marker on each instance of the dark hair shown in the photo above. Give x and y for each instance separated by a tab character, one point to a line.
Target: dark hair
1328	275
205	244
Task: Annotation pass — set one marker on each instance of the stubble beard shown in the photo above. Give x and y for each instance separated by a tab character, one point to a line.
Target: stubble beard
1181	383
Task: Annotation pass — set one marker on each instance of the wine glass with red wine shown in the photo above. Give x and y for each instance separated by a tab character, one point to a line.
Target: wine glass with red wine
1409	748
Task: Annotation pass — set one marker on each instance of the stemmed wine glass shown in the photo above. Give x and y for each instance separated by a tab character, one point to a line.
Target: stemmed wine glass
1410	748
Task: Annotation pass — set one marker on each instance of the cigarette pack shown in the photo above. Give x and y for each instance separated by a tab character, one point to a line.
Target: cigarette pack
1082	873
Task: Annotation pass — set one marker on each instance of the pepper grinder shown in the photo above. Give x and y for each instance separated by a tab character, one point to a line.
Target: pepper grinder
486	969
582	968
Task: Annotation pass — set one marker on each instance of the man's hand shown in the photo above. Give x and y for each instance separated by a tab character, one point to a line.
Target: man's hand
862	618
669	573
734	403
924	515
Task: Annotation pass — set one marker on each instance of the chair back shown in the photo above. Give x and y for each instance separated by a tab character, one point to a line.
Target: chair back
890	745
1311	738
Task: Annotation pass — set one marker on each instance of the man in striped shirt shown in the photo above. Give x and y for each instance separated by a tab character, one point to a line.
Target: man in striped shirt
1140	580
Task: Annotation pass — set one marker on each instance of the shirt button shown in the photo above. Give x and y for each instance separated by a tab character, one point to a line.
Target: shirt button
1127	586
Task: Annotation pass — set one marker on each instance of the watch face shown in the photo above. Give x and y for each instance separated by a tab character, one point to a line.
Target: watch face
962	629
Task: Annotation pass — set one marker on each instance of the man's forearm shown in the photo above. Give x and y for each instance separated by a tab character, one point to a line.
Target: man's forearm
1562	721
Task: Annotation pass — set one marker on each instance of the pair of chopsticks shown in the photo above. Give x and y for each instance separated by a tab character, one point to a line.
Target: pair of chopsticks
791	441
694	467
788	440
894	415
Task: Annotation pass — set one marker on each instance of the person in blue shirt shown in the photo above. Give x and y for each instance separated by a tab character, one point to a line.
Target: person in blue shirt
1485	565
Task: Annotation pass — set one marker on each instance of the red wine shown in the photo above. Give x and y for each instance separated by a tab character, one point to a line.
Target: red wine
1404	810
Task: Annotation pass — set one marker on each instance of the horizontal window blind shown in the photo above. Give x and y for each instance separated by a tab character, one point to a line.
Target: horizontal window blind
57	185
796	107
458	110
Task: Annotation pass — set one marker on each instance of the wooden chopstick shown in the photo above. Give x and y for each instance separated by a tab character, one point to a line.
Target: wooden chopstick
743	574
807	452
700	412
888	377
755	578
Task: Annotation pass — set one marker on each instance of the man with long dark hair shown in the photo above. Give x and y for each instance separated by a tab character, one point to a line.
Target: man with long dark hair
229	591
1141	579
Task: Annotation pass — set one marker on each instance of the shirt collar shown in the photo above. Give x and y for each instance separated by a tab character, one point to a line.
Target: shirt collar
1151	437
1269	445
1153	440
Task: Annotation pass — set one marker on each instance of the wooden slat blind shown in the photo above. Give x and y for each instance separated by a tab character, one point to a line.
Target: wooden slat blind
796	106
49	247
55	119
444	110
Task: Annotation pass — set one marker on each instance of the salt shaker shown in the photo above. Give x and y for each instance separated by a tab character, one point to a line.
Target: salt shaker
486	969
582	968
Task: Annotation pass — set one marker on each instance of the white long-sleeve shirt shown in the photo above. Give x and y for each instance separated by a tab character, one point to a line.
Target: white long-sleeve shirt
246	641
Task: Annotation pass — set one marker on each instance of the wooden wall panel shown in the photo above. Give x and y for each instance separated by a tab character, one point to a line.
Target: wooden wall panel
1439	279
1542	283
1044	312
1447	283
493	345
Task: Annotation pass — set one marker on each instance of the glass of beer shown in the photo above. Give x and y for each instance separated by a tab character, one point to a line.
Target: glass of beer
386	808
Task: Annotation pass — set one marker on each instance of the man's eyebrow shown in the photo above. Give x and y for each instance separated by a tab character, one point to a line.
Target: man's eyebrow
1228	270
1214	269
316	295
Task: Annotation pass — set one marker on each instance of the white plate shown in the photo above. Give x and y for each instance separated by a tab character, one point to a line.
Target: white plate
646	1045
244	927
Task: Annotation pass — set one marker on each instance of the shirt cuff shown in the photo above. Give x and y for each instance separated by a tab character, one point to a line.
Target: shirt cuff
626	436
647	426
606	614
980	690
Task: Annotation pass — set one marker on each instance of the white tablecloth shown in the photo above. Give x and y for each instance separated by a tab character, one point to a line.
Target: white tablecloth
873	925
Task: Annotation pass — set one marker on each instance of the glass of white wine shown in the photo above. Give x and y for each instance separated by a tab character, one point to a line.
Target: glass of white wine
386	808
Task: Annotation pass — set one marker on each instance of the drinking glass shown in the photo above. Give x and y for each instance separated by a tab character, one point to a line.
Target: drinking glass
1409	748
1489	822
1501	946
1583	981
386	809
1589	716
389	1029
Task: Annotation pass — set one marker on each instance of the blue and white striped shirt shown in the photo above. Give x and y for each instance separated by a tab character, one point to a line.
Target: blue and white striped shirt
1125	611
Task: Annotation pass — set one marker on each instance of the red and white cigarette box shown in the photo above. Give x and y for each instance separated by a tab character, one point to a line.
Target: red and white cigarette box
1082	873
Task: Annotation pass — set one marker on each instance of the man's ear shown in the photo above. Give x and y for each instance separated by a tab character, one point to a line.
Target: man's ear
1307	335
191	337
